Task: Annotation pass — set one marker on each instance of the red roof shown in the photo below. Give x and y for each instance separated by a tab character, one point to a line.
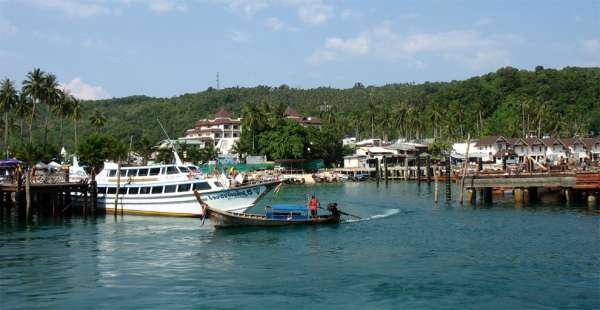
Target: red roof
223	114
218	121
590	142
514	141
292	113
532	141
570	141
489	140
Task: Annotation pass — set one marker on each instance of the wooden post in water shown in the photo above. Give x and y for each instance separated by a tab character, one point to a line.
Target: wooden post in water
437	187
406	173
418	173
118	185
448	185
28	194
464	172
385	169
428	172
93	188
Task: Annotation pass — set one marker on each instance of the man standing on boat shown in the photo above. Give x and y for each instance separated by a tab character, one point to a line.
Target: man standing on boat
313	205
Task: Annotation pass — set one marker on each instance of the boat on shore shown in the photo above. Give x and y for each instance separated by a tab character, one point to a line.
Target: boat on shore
275	216
169	190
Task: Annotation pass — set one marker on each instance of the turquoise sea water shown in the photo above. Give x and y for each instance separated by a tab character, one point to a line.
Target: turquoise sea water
407	253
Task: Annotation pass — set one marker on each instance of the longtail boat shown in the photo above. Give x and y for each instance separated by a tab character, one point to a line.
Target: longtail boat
276	215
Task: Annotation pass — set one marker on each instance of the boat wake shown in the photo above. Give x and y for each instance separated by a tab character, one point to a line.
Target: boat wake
387	213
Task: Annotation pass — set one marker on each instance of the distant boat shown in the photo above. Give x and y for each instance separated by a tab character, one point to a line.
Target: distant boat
276	215
169	190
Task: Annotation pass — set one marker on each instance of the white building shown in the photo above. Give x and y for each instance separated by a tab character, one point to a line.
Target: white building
555	150
223	131
593	148
576	148
351	141
490	146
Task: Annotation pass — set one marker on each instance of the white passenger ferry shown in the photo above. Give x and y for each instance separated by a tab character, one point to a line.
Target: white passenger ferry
169	190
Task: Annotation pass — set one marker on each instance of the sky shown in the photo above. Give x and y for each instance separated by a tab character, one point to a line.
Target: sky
115	48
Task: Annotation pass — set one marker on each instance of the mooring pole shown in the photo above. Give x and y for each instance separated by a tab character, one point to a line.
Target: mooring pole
385	169
418	173
464	172
448	185
28	194
436	181
118	185
93	189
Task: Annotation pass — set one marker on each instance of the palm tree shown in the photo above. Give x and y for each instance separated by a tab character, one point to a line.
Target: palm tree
33	89
252	120
63	108
8	100
22	111
97	120
75	116
52	97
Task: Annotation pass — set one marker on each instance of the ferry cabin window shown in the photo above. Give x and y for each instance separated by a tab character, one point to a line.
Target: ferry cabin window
184	169
101	190
122	190
144	190
123	172
142	172
154	171
132	172
112	173
172	170
218	184
157	189
170	188
111	190
133	190
184	187
201	186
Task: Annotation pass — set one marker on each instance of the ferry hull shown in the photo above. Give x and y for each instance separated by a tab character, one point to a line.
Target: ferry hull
185	204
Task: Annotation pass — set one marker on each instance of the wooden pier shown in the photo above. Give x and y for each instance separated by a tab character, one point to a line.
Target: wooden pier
525	187
54	196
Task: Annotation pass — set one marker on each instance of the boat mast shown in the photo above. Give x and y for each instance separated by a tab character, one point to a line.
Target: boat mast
173	149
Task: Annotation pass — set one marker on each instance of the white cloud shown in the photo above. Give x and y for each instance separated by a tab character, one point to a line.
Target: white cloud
88	8
159	6
321	56
246	7
278	25
6	27
314	12
84	91
238	36
73	8
358	46
467	48
591	48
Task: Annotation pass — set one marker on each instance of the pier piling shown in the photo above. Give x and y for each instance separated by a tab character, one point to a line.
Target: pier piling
447	176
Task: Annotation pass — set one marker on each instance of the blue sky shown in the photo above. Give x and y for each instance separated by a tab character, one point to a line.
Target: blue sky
115	48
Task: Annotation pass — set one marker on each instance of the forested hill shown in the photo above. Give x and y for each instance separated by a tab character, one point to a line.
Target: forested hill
561	102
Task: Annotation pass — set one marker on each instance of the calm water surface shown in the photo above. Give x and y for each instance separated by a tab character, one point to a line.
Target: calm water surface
408	253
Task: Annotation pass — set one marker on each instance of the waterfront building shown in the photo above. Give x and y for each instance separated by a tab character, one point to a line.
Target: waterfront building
593	148
555	149
223	131
490	146
350	141
305	121
576	148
